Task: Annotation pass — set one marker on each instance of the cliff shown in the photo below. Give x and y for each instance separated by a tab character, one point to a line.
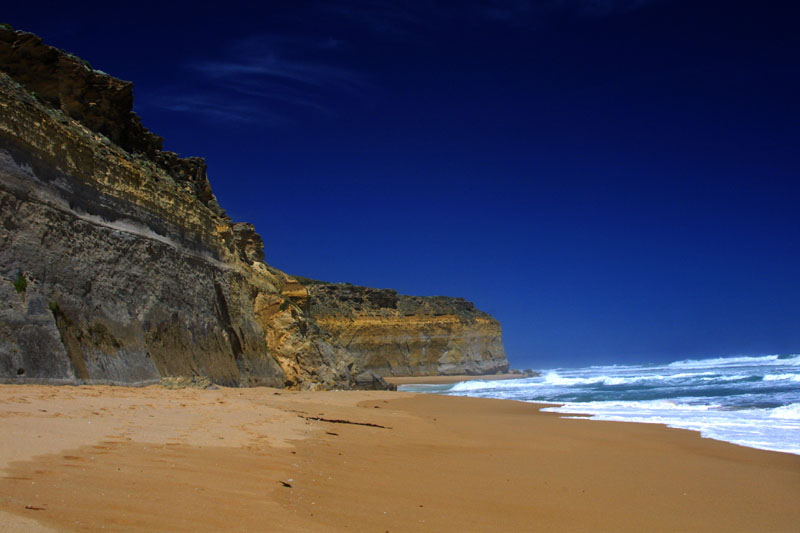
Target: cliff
397	335
117	264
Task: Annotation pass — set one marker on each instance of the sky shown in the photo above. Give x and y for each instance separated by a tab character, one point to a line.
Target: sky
615	181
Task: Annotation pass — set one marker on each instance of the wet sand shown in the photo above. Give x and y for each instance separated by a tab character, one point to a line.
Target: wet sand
78	458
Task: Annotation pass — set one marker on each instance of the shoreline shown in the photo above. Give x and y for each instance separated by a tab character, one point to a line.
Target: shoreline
445	380
152	458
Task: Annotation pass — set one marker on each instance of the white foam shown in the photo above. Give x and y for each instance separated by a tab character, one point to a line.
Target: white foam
630	406
790	412
776	429
793	360
466	386
691	375
782	377
554	378
736	377
716	397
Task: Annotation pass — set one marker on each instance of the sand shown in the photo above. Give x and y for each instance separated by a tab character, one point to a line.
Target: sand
84	458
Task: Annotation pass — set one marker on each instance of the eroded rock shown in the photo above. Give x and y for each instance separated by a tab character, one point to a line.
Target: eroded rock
392	334
117	264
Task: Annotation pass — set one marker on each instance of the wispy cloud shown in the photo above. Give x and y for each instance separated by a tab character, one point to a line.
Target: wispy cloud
278	76
277	93
262	78
219	108
277	70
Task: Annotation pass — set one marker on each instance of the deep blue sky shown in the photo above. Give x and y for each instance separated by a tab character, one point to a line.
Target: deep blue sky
615	181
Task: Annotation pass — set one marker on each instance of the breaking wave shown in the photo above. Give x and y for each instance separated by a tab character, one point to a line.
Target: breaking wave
748	400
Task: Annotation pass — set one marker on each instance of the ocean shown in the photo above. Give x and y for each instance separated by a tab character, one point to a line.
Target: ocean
750	401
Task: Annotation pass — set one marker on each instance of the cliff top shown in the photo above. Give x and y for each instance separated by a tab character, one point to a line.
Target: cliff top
344	298
101	102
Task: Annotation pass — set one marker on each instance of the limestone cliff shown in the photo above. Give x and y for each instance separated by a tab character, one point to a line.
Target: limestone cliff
117	264
397	335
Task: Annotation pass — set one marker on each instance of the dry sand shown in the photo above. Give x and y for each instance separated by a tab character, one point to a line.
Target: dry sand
84	458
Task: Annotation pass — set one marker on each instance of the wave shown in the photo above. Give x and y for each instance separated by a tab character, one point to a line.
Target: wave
554	378
466	386
727	379
769	429
749	400
638	406
791	412
782	377
792	359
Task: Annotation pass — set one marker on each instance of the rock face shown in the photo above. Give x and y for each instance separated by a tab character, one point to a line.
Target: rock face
98	101
117	264
396	335
131	271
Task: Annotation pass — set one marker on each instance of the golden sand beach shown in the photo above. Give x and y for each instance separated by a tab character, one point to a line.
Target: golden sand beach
146	459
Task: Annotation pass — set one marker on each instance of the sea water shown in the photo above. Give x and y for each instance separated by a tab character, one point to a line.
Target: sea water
751	401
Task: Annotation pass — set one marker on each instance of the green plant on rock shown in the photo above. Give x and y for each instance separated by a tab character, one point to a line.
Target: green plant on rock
6	26
21	284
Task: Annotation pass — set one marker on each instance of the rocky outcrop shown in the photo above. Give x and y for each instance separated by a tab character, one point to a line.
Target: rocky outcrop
100	102
396	335
118	265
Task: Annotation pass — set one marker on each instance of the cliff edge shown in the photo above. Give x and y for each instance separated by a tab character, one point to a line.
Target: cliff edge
117	264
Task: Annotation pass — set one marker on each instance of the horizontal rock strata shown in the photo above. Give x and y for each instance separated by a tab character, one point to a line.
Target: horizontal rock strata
117	264
396	335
